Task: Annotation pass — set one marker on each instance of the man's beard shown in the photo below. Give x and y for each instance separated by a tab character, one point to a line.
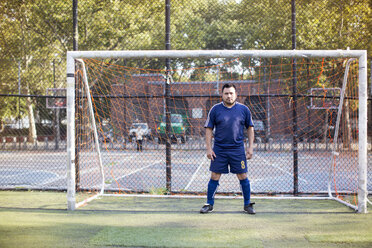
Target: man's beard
228	103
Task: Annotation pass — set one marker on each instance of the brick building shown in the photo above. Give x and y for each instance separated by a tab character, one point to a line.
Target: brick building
141	100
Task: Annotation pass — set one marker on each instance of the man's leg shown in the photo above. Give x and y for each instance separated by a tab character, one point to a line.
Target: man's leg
246	191
212	188
246	187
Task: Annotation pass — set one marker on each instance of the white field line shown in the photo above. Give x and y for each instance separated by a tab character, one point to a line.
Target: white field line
89	170
54	180
135	171
204	161
82	203
142	168
25	173
223	197
97	168
279	168
12	176
82	172
125	159
129	157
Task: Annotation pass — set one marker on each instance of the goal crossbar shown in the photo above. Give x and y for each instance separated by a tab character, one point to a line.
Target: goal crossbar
361	55
217	53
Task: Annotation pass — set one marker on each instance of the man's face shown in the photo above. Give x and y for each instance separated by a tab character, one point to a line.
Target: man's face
229	96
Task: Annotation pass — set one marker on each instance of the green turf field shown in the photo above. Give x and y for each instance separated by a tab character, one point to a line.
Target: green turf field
40	219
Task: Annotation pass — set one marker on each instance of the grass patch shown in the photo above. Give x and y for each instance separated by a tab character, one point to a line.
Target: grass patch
176	237
40	219
364	238
158	191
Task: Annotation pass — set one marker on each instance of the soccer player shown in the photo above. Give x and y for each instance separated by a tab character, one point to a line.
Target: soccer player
228	120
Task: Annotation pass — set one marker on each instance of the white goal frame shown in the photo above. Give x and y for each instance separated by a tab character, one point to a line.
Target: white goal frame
361	55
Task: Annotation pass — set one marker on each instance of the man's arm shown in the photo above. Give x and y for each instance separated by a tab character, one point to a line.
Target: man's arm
250	139
208	141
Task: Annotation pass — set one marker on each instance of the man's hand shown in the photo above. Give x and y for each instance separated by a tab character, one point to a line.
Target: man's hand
249	152
208	141
210	154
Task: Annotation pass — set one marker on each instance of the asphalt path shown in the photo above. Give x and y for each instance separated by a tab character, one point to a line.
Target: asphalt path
269	171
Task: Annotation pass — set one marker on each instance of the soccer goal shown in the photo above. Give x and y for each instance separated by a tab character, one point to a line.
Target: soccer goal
135	128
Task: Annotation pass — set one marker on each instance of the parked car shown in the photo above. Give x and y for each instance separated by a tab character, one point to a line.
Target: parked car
144	127
178	129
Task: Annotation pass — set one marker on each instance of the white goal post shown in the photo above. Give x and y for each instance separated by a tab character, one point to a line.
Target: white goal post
361	55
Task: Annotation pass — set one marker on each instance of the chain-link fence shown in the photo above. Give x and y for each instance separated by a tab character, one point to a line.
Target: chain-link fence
35	36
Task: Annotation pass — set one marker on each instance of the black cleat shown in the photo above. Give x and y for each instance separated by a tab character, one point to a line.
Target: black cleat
206	209
249	208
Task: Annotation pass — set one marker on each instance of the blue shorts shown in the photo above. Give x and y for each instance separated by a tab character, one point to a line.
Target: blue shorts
229	157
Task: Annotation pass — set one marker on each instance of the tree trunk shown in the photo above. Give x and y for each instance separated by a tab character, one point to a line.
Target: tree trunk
2	126
32	135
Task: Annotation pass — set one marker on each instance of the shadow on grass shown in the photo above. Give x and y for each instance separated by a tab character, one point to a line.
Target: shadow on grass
19	209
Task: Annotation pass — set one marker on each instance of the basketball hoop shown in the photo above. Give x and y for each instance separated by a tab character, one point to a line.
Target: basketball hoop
324	98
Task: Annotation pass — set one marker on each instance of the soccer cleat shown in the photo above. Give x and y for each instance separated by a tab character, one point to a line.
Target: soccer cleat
206	209
249	208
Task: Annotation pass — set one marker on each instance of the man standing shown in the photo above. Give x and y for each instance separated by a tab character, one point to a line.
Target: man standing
139	138
228	120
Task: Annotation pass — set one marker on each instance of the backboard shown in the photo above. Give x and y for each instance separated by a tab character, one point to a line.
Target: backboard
58	101
324	98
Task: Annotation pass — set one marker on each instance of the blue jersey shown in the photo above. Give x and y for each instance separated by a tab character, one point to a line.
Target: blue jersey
229	124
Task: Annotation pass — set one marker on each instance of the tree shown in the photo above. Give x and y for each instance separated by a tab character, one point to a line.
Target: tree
31	36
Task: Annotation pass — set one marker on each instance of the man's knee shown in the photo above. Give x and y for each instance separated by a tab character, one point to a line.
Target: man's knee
242	176
215	176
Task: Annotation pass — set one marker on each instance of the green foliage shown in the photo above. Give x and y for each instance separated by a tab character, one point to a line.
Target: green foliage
34	33
158	191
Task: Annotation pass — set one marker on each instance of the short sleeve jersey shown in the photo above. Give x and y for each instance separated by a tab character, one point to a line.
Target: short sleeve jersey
228	124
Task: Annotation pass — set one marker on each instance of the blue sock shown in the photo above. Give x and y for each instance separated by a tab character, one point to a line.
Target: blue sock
212	188
246	190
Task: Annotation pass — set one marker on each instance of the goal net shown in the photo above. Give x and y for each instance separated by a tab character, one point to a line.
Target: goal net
137	128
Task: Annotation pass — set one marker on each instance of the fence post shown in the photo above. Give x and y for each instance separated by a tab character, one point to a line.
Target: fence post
168	148
294	92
